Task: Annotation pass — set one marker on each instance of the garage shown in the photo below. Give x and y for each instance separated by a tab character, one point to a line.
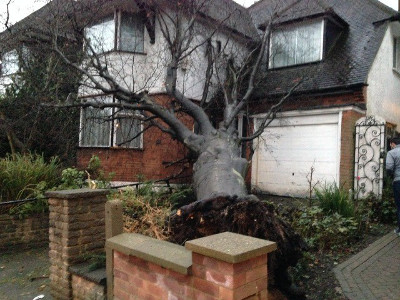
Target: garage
290	147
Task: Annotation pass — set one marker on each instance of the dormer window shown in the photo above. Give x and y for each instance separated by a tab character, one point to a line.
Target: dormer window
297	44
121	32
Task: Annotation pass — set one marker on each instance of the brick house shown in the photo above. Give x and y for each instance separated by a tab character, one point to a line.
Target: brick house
344	51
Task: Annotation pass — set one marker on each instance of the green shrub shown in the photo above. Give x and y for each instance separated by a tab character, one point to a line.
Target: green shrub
27	209
25	176
72	178
324	231
96	175
333	199
182	196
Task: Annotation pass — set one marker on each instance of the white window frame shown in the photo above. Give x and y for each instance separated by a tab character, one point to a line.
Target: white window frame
117	17
295	28
112	135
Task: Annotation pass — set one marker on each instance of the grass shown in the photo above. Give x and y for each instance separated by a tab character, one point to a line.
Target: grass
22	175
333	199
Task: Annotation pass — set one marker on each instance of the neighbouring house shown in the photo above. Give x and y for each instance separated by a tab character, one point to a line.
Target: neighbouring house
346	53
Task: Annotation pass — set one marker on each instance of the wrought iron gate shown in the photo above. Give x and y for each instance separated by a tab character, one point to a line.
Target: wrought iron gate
369	153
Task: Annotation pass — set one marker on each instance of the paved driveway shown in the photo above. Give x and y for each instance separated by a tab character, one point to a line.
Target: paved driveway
24	275
374	273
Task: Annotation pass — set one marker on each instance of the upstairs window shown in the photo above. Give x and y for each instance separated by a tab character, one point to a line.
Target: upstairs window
101	36
110	127
396	54
121	32
297	44
10	63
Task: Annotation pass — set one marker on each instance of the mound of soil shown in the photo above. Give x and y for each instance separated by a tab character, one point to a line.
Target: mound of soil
248	216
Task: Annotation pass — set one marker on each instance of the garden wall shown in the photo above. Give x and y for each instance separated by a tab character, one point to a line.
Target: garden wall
221	266
25	232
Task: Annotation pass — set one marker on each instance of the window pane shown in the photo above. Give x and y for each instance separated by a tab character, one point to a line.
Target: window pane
132	31
296	45
96	126
101	36
126	128
308	43
284	46
10	63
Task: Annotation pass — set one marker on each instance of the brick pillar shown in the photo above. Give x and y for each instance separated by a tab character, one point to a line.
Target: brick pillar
230	266
76	228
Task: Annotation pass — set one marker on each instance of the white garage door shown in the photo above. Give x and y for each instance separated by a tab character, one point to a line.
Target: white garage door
290	147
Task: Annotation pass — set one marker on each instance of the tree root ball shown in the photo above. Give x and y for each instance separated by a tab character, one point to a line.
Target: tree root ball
248	216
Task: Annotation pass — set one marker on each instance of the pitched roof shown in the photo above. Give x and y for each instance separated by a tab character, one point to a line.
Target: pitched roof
233	15
347	63
230	14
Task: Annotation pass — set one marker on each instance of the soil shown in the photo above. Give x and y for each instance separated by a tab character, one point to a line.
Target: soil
247	216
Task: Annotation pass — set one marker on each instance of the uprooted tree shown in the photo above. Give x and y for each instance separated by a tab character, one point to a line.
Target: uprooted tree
227	73
208	69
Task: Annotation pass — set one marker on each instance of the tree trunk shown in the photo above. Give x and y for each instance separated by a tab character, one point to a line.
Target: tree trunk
219	170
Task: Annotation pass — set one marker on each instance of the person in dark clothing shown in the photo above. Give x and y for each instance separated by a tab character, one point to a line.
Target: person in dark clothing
393	170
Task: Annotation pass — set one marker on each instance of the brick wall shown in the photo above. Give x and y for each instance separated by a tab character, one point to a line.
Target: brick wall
222	266
83	289
77	228
349	119
312	101
151	161
27	232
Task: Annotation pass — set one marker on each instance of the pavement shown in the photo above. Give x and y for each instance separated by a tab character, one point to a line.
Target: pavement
374	273
24	275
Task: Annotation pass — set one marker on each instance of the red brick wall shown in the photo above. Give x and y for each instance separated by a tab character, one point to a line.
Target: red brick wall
314	101
211	279
128	164
349	119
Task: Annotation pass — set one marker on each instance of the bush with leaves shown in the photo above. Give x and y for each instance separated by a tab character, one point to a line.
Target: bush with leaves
380	210
323	231
96	176
71	178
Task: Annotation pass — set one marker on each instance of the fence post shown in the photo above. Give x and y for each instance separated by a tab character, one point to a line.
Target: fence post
76	228
114	226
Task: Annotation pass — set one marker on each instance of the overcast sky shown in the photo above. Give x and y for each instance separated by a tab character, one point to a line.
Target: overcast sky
21	8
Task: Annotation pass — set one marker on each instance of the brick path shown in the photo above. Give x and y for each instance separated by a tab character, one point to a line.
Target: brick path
374	273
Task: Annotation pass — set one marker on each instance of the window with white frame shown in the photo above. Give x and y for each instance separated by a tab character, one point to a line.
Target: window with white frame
396	54
121	32
297	44
110	127
10	62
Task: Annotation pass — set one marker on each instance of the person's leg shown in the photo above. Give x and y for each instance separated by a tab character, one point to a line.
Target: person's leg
396	191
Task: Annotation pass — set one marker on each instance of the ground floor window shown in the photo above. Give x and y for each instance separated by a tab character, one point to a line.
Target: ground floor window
110	127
